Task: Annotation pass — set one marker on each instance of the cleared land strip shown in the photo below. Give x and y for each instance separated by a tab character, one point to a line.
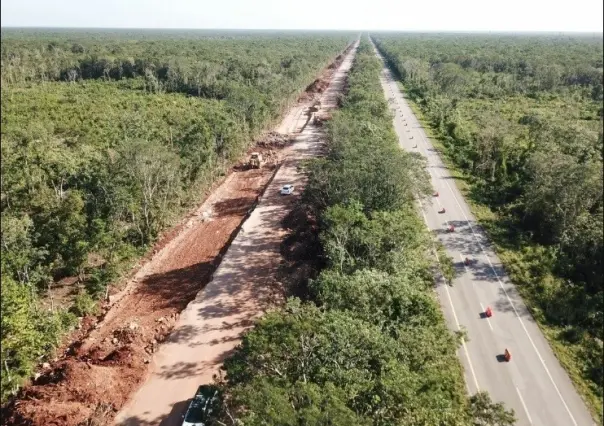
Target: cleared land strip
109	359
242	288
533	383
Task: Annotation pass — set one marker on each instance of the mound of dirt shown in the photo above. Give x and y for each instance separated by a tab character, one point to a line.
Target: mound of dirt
321	118
320	84
317	86
268	146
97	374
74	389
274	140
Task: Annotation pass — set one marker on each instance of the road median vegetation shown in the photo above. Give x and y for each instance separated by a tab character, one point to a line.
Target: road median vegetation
368	344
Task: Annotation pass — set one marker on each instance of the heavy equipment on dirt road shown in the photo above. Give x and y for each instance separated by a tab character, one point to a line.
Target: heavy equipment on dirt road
256	160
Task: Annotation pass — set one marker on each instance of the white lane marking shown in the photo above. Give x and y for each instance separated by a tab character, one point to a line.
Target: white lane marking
488	319
463	343
446	220
505	292
437	198
473	286
524	406
500	283
467	270
506	295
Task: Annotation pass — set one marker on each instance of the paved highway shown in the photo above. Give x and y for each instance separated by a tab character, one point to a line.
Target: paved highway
533	383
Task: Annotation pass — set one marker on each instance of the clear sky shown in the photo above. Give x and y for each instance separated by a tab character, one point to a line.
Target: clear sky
406	15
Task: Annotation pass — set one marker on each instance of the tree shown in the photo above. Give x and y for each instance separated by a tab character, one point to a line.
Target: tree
20	257
487	413
384	240
77	48
332	350
294	404
151	171
371	346
389	301
561	190
28	333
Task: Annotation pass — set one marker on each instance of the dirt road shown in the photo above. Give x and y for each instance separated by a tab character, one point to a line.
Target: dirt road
243	287
109	357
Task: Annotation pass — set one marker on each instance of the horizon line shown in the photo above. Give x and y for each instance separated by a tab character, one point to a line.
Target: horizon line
300	29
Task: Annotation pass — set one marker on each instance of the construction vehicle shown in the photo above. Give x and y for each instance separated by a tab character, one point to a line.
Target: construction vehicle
256	160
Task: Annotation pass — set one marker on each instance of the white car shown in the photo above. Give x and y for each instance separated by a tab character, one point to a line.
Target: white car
287	190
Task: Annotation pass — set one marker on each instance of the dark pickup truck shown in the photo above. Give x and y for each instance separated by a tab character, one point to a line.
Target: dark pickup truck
203	407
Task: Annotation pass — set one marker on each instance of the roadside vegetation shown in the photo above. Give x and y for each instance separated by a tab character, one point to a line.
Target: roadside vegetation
107	137
519	118
368	345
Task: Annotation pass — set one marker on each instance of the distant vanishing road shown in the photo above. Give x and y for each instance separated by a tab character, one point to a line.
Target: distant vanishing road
533	383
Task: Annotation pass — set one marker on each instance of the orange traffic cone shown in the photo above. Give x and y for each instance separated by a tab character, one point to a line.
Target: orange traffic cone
507	355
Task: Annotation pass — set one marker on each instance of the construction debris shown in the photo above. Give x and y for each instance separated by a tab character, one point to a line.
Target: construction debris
320	118
274	140
317	86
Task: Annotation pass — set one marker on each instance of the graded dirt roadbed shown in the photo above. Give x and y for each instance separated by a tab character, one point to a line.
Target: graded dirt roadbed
533	383
243	287
106	359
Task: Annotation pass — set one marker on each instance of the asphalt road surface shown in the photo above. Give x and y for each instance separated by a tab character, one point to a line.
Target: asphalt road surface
533	382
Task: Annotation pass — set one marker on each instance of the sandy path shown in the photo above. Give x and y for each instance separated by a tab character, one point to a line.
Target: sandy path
294	120
243	287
